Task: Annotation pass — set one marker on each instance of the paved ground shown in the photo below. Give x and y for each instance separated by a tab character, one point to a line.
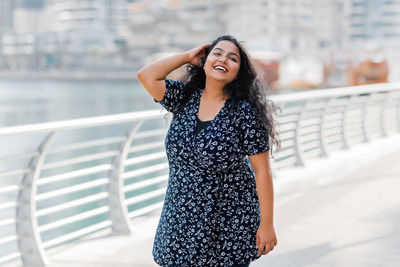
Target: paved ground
344	211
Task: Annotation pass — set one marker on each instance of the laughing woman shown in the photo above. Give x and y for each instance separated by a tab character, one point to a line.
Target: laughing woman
218	207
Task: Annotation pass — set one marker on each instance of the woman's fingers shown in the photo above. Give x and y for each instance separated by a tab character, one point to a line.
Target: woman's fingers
261	248
196	54
267	249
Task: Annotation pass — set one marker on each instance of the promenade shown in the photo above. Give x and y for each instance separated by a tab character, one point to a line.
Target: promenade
340	211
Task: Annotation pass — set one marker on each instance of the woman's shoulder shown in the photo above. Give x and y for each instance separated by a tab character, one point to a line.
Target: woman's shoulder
245	107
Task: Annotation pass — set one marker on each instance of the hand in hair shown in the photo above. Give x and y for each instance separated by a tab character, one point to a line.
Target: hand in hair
196	54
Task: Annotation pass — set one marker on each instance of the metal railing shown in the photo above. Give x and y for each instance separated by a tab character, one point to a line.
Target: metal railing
64	180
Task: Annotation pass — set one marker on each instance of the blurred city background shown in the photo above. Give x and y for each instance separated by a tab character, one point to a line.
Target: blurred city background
51	48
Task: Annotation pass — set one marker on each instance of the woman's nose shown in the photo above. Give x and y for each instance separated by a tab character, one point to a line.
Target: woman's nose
222	58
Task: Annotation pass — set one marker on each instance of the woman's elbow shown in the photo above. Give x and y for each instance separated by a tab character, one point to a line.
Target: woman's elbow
141	75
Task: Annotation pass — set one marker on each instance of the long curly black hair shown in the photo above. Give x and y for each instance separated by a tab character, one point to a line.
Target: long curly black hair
246	87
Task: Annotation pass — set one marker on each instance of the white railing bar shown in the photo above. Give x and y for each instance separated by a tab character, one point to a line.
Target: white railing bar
330	132
310	129
82	123
312	144
335	92
10	204
152	133
71	204
132	174
20	156
9	188
81	159
286	152
147	209
145	158
72	219
145	196
15	172
288	119
311	120
138	148
332	138
8	239
7	222
153	114
312	115
289	144
145	183
333	124
78	233
10	257
286	127
290	110
312	135
286	162
87	144
74	174
288	135
74	188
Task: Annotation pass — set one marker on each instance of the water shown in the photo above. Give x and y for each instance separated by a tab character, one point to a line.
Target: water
36	101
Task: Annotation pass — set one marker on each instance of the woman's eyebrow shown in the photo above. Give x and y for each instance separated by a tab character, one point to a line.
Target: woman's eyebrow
229	52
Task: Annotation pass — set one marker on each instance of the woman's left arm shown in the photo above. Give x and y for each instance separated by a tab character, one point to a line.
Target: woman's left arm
266	237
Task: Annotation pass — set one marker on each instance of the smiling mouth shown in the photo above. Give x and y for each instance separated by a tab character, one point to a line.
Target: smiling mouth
220	68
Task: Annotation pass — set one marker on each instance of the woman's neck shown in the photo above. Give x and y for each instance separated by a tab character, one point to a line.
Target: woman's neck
214	90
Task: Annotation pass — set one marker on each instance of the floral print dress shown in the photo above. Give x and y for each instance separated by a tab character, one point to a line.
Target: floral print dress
211	211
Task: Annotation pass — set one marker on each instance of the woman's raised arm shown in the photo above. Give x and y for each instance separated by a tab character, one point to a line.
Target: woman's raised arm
152	76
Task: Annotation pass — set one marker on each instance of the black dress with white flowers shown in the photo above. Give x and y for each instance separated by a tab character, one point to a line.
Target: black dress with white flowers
211	211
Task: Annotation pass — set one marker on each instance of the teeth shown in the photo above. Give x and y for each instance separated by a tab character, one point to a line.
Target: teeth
220	68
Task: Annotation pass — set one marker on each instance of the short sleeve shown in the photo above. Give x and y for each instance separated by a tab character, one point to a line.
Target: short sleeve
255	137
173	95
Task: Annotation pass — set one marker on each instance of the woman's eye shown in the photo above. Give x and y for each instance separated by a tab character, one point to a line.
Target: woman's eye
217	54
234	59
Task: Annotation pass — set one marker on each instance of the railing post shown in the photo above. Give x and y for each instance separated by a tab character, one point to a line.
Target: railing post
365	119
118	213
272	166
297	141
345	132
29	241
382	117
398	116
322	134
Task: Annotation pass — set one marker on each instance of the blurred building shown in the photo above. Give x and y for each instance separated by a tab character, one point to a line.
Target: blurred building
66	34
373	20
372	31
286	26
6	15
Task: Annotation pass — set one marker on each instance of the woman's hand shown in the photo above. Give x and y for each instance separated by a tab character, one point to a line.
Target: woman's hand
266	239
196	54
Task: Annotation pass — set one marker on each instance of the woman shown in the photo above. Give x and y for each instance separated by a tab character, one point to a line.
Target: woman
218	208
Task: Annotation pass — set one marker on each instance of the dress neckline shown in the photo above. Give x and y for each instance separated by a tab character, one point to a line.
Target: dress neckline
209	122
201	120
198	107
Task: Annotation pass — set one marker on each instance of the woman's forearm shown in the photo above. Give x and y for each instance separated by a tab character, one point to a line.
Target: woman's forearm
265	193
159	69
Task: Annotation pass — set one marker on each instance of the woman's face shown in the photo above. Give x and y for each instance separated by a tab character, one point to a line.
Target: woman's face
223	62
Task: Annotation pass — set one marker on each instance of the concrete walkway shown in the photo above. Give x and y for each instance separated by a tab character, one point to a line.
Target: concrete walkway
342	211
